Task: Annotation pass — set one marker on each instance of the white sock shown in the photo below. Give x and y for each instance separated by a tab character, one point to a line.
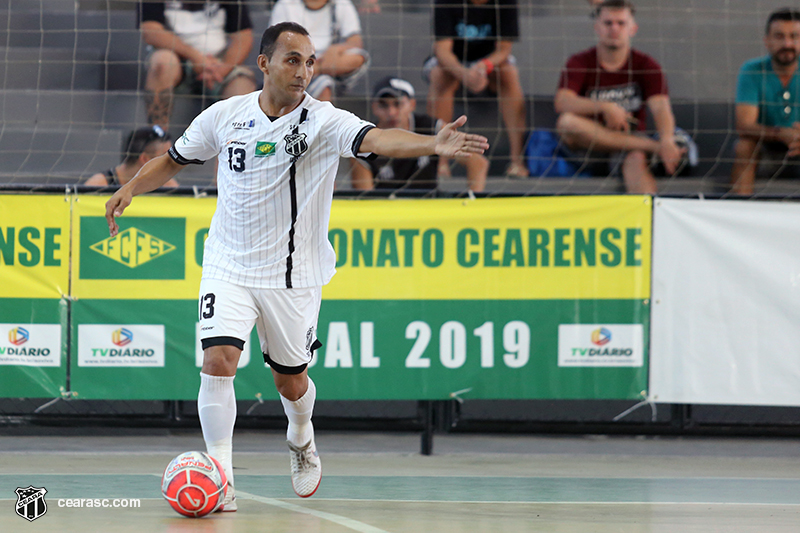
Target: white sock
216	405
299	412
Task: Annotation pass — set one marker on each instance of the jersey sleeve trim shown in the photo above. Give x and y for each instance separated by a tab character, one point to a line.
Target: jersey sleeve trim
360	138
178	158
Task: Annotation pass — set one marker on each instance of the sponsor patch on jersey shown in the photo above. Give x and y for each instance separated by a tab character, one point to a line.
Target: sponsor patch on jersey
243	124
265	149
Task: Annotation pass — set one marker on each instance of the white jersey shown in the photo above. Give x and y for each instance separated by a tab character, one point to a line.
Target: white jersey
333	23
275	181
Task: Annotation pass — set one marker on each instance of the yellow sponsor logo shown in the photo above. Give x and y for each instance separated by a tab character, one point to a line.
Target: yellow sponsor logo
264	149
132	247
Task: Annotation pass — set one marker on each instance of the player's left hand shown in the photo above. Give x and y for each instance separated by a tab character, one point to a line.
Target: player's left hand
114	208
453	143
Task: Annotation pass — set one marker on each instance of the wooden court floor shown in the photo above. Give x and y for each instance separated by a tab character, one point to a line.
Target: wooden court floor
376	483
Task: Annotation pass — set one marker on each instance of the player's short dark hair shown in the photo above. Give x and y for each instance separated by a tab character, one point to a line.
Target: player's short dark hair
139	140
783	14
613	4
270	38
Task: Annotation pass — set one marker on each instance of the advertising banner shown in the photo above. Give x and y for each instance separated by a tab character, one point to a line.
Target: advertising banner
34	276
431	297
726	303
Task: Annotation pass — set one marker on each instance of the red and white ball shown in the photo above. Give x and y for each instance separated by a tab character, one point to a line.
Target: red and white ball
194	484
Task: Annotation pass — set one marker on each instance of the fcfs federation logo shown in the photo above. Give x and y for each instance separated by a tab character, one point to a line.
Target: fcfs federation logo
30	502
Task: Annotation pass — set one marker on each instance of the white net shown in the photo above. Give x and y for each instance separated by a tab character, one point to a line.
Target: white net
71	85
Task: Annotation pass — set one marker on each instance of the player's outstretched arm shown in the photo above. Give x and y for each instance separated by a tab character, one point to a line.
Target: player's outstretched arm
152	175
401	143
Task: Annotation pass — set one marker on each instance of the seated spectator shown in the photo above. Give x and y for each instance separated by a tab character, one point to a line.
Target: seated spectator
768	107
473	46
601	98
393	104
197	45
139	147
335	30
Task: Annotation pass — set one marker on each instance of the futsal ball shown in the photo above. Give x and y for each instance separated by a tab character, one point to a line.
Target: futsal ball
194	484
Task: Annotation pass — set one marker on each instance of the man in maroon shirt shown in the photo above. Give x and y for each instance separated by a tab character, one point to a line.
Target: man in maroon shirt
601	98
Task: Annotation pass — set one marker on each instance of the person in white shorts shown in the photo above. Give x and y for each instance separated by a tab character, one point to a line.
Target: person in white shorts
335	29
267	254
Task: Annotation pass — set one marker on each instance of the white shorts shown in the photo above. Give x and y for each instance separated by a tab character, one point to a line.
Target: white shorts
286	321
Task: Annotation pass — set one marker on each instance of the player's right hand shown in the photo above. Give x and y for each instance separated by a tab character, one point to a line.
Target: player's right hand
114	208
616	118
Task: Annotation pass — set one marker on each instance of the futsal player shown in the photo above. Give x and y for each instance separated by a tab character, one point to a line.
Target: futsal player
267	254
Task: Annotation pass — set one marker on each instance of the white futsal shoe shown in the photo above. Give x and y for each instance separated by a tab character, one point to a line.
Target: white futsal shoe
229	505
306	468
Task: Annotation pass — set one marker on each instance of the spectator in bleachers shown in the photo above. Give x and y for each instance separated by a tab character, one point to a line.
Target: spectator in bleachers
393	104
473	46
199	45
768	106
335	30
601	103
139	147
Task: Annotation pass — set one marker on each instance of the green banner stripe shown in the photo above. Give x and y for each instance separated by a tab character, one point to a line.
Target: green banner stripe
390	350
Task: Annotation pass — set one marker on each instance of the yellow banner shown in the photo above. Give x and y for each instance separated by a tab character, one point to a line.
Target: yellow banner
157	254
490	249
485	249
34	246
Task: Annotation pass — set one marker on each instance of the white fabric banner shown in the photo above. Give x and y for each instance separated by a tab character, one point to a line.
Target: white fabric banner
726	303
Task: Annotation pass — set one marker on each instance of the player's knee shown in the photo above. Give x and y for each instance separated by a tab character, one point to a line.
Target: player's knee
220	360
291	386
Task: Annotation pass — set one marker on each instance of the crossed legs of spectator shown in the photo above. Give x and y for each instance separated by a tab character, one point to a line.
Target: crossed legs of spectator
166	71
584	133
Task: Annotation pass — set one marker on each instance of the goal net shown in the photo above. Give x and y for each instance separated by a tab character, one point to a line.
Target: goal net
72	85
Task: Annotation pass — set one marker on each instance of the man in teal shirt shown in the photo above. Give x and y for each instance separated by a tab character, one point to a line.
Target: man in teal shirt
768	106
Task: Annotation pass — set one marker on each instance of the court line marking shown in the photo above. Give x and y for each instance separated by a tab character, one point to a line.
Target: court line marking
298	508
540	502
549	478
349	523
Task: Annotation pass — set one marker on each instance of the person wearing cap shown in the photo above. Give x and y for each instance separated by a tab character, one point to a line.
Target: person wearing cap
473	46
335	28
393	104
139	147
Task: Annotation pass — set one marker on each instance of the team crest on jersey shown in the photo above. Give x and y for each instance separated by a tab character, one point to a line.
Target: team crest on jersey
296	144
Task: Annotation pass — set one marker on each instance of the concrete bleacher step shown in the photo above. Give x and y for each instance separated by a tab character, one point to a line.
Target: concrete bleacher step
64	108
50	68
44	151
